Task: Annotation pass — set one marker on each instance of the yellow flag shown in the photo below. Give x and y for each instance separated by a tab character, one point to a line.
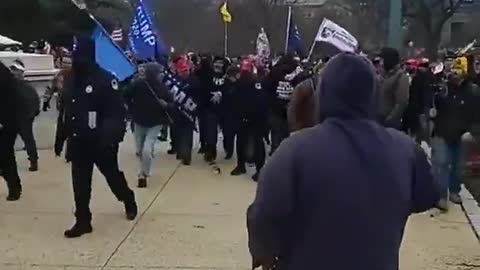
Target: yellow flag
226	16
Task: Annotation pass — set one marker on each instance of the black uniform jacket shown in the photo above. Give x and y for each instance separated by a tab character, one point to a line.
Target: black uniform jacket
95	110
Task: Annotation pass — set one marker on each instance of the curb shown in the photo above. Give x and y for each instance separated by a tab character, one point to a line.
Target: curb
472	210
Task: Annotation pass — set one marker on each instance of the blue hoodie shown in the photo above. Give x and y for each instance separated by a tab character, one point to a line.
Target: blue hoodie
338	195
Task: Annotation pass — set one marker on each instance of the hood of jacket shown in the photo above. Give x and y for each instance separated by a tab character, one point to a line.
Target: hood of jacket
347	88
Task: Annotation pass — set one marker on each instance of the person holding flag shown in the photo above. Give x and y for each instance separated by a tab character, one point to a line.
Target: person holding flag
185	88
94	116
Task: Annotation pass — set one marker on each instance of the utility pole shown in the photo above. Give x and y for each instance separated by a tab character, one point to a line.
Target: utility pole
395	24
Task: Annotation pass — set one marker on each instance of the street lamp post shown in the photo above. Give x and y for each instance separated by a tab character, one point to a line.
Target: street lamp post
395	24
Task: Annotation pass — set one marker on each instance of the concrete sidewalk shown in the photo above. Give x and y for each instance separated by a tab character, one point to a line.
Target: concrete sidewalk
191	219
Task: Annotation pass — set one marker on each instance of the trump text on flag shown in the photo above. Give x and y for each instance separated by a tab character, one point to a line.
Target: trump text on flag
141	27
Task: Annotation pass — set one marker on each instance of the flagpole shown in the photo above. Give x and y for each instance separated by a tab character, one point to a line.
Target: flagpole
226	40
289	19
315	41
311	50
82	6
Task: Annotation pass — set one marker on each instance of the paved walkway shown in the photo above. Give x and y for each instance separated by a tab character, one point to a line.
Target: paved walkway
191	219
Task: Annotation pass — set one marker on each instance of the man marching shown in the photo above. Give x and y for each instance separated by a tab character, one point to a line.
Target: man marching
184	87
95	125
250	110
212	112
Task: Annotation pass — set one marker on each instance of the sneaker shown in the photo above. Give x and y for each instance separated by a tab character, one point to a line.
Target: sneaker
131	210
78	230
142	183
238	171
456	198
186	162
443	205
14	195
33	166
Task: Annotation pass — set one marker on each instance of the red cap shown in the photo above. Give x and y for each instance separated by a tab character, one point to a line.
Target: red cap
182	64
247	66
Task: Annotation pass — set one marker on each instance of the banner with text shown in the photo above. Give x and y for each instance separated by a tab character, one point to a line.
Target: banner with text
337	36
145	42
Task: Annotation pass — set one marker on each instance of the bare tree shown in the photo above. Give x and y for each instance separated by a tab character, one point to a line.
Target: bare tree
432	16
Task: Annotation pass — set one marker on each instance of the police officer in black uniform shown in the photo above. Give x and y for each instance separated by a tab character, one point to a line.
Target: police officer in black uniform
9	128
95	124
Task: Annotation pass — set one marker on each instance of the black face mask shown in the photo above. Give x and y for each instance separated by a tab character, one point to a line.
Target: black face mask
218	68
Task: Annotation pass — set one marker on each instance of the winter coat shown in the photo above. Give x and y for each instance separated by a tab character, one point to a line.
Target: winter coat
30	100
279	89
455	112
394	95
9	111
342	189
148	98
249	102
302	105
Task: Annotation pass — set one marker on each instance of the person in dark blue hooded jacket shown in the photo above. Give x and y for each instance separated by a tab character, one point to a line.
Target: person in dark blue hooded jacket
343	188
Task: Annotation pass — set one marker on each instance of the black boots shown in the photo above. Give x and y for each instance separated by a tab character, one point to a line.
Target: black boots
79	229
14	194
33	165
142	183
131	210
82	227
239	170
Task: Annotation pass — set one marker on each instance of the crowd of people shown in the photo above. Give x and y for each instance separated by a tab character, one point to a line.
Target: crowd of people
335	126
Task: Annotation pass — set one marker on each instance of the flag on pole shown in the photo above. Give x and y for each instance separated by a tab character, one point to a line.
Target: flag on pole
263	46
331	33
110	57
296	44
145	41
226	16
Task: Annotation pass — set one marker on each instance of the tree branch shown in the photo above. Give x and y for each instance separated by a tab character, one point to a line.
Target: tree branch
453	7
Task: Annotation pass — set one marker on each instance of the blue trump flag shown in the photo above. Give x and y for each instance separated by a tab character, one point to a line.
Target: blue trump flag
145	41
110	57
295	40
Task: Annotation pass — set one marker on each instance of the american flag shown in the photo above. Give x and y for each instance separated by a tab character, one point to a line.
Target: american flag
117	35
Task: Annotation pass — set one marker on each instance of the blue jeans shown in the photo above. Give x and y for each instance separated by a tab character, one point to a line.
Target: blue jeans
447	164
145	139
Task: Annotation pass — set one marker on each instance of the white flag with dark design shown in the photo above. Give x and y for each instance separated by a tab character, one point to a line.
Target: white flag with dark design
334	34
263	46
